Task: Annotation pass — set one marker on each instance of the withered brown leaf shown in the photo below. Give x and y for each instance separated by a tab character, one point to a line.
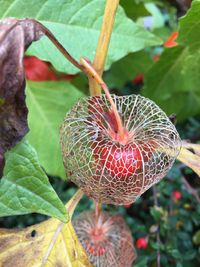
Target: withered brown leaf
15	38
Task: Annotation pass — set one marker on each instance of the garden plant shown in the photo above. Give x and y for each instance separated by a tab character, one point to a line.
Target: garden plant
99	130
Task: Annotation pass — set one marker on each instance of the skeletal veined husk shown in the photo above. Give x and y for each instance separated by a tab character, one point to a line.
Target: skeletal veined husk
107	240
87	148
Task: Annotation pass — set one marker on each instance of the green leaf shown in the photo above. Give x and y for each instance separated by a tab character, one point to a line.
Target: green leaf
189	255
76	24
127	68
174	253
47	103
141	262
158	19
165	71
163	33
196	238
25	187
156	212
173	82
189	29
134	10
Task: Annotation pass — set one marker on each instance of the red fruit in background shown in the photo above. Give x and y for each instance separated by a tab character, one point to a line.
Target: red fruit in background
171	40
127	206
120	161
176	195
38	70
139	79
141	243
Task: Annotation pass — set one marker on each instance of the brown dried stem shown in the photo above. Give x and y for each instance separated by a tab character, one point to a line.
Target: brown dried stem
88	69
60	47
103	43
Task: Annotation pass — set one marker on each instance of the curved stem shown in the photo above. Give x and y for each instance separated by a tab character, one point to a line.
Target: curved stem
86	66
60	47
88	69
94	75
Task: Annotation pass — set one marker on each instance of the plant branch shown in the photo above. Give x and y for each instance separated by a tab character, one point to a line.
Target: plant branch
191	190
60	47
158	229
98	209
103	43
72	203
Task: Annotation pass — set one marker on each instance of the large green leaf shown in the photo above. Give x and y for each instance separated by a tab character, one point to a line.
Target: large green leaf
25	188
133	9
77	24
47	103
189	30
165	75
173	82
127	68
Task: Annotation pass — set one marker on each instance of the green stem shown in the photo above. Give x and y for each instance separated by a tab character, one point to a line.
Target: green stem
72	203
103	43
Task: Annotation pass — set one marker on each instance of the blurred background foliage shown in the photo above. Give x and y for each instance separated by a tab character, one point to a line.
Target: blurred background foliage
165	221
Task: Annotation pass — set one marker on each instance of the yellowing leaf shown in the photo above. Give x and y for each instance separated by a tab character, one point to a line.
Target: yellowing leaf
194	147
47	244
189	158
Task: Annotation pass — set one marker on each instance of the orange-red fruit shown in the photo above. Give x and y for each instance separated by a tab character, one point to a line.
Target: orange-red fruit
107	168
120	161
141	243
176	195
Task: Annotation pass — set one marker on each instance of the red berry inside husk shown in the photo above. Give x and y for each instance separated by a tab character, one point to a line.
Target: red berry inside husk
115	165
119	160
